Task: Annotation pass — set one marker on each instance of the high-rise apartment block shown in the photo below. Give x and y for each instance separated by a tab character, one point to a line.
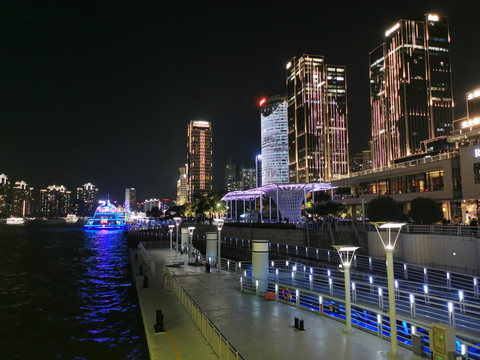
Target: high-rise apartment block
274	140
86	200
130	199
410	88
22	199
230	175
182	187
199	159
4	196
317	120
55	201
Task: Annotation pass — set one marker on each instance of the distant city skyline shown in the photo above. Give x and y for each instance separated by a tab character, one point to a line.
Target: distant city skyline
89	95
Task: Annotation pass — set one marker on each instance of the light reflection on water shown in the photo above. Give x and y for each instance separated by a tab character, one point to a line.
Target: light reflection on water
67	294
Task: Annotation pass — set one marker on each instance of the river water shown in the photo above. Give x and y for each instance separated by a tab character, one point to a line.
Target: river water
66	293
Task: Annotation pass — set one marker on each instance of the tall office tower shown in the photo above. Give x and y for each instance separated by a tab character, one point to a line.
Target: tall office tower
130	200
410	88
22	199
199	160
258	170
247	177
86	201
473	107
274	140
182	187
230	175
4	196
317	120
55	201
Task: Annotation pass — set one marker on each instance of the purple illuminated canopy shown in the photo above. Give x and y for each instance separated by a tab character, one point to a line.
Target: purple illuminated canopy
288	197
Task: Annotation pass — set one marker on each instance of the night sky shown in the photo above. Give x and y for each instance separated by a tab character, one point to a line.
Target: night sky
102	92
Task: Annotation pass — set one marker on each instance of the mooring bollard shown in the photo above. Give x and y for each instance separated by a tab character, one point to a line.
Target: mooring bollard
159	322
145	282
301	328
296	323
140	270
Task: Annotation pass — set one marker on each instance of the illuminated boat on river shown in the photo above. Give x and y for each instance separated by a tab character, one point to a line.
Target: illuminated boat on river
15	221
106	217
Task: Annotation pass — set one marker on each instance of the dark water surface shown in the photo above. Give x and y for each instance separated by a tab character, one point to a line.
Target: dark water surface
67	294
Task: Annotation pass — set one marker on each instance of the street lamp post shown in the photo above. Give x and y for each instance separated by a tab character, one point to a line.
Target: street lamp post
219	239
389	247
170	230
190	242
177	220
346	256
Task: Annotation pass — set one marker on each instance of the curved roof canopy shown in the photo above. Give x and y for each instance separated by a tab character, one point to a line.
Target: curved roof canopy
273	188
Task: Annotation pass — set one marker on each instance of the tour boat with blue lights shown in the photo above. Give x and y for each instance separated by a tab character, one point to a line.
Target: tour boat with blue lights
106	217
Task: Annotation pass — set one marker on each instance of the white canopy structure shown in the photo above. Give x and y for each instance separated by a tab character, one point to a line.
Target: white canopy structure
288	197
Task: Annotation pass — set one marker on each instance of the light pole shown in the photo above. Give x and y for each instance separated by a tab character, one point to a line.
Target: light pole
177	220
219	239
190	242
346	256
170	230
389	246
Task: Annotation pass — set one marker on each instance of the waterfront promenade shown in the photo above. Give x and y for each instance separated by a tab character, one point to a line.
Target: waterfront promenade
257	328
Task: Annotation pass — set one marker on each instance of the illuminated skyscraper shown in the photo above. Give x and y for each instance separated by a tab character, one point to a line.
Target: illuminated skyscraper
130	199
182	187
22	199
86	202
258	170
317	120
4	196
230	175
274	140
55	201
199	159
410	88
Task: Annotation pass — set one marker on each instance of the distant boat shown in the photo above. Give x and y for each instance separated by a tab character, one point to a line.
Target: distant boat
106	217
15	221
71	219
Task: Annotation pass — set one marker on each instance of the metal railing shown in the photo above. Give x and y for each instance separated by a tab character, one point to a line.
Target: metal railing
215	339
367	317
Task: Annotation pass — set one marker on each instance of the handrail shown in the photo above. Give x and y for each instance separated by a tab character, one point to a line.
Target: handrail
201	320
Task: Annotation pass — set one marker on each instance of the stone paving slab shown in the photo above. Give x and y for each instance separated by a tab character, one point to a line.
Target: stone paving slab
261	329
182	339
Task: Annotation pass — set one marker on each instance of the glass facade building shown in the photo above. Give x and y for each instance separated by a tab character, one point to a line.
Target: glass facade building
199	159
274	141
317	120
410	88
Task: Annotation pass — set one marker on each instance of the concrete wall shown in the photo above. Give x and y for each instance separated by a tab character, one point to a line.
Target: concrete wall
455	253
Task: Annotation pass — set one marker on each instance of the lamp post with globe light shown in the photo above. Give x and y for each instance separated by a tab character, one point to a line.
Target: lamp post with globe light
170	230
177	220
220	223
346	254
389	247
190	242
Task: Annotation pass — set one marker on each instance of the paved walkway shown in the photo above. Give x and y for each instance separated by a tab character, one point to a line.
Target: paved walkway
258	329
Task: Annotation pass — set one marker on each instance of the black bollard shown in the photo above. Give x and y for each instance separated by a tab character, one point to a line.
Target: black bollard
145	282
296	323
301	328
207	267
140	270
136	256
159	322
